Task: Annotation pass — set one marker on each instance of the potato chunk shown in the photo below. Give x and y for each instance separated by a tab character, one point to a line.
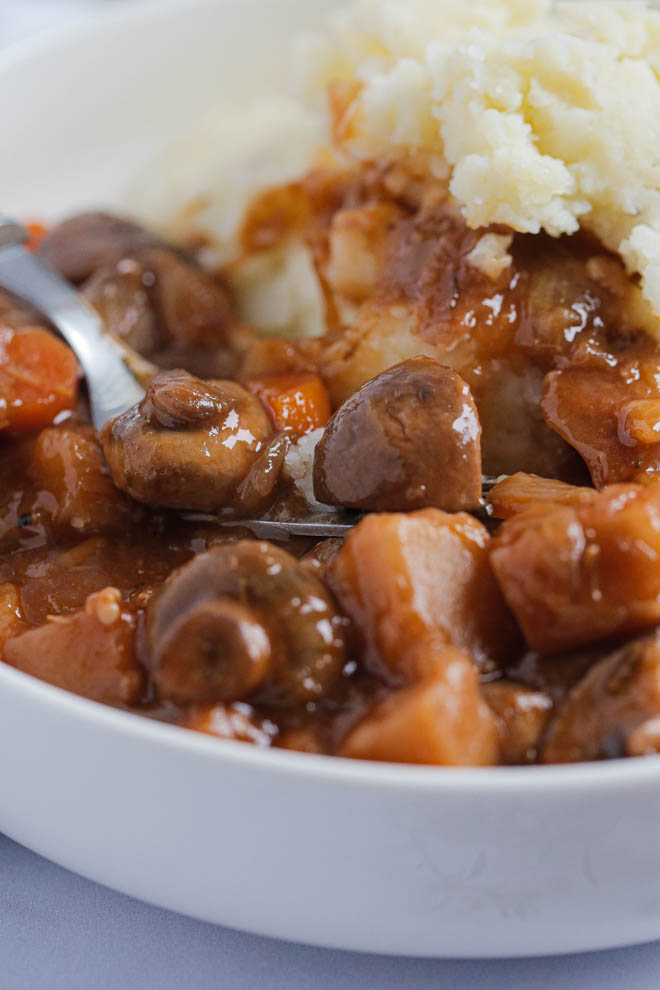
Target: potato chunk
615	698
577	574
410	581
89	652
520	491
645	739
78	492
236	721
441	720
608	414
11	616
522	715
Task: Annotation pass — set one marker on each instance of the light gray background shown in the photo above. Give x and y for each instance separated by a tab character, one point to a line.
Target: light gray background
60	932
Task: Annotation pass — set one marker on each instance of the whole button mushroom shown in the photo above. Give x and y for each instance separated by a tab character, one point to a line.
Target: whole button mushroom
189	444
243	618
408	439
77	247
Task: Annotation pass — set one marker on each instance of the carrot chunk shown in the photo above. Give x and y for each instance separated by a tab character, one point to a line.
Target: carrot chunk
37	231
38	378
298	403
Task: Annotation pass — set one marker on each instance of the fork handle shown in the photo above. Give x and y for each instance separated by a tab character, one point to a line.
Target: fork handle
112	386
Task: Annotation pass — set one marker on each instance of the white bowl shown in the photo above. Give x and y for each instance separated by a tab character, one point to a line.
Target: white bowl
339	853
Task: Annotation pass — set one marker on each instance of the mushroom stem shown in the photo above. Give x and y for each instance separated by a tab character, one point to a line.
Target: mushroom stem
217	651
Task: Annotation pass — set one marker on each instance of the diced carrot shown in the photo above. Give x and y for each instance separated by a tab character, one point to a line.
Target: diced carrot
37	232
38	378
298	403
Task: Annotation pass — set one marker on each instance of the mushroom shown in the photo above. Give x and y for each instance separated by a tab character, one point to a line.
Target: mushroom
604	714
408	439
189	444
77	247
241	618
150	294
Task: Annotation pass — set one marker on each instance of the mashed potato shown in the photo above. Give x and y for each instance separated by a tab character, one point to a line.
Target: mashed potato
199	191
540	115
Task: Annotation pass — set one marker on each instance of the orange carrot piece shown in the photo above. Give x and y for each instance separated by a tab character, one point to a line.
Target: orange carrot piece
37	232
38	378
298	403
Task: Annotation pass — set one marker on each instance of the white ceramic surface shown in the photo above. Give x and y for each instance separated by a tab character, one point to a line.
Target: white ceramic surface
374	857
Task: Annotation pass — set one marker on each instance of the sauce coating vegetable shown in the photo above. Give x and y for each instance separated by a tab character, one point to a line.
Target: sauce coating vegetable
450	626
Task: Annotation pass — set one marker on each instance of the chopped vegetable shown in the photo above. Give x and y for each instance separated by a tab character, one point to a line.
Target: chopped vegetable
409	581
611	702
520	491
298	403
574	575
89	652
37	231
11	617
442	720
38	378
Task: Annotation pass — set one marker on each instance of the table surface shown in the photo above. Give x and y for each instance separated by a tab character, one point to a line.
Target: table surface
61	932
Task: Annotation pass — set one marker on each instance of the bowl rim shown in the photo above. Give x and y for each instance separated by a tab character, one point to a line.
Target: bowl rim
564	778
404	777
91	22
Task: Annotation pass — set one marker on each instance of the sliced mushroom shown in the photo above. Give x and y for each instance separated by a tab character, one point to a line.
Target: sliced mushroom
243	617
189	444
408	439
257	490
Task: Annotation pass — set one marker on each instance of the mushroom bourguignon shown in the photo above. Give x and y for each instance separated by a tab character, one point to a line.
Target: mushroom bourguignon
449	627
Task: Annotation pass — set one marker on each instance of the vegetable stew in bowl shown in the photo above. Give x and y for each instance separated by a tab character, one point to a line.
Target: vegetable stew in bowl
457	623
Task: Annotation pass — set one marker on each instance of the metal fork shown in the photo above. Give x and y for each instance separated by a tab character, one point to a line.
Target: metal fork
112	370
112	385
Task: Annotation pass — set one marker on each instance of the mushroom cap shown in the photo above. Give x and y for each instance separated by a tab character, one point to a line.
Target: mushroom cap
216	651
269	590
408	439
189	444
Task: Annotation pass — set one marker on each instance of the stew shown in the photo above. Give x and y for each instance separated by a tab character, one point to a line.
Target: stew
451	626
